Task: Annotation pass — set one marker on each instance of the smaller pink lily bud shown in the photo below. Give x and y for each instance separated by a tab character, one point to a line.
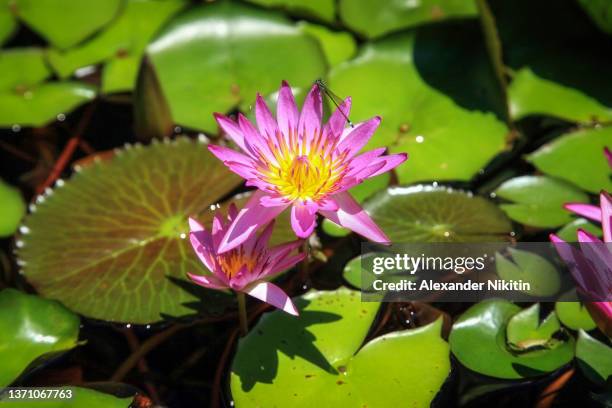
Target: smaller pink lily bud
246	268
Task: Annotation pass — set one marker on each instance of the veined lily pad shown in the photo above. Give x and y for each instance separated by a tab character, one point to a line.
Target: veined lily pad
436	104
66	22
111	242
12	208
437	214
322	9
28	101
32	329
317	359
583	150
81	398
373	18
574	315
480	343
538	201
594	358
245	49
541	274
120	46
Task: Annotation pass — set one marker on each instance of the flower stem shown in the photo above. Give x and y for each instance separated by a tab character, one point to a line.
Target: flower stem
305	249
242	313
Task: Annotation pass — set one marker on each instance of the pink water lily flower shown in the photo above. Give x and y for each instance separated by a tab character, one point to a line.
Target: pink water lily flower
593	275
297	161
245	268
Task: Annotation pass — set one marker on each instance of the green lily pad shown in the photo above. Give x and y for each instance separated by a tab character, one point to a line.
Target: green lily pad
568	231
318	359
353	275
542	275
574	315
533	95
12	209
360	192
121	46
437	214
81	398
525	331
436	102
600	11
321	9
32	329
484	325
246	50
538	201
28	101
111	244
583	150
594	358
66	22
338	46
376	18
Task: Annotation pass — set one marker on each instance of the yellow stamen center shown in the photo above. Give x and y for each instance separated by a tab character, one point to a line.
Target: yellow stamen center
232	261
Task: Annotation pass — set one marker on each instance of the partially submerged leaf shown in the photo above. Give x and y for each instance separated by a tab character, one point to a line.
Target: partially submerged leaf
525	331
529	267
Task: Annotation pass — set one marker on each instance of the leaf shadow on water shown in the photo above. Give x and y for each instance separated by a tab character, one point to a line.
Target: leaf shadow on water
280	332
208	302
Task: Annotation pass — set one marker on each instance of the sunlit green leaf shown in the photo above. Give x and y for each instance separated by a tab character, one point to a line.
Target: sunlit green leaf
578	158
321	9
525	331
32	329
568	231
373	18
594	358
542	276
317	359
12	208
338	46
574	315
436	102
246	50
538	201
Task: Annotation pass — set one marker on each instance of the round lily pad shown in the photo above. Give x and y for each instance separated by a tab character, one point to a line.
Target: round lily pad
12	208
338	46
317	358
32	329
81	398
66	22
245	49
120	46
420	87
542	276
569	231
594	358
426	213
584	151
479	341
111	243
374	18
538	201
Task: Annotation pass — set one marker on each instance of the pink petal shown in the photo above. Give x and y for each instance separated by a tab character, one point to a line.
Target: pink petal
285	263
268	201
359	136
286	110
210	281
194	225
228	155
329	204
584	210
303	220
254	142
389	163
309	124
605	202
203	247
350	215
337	120
273	295
265	121
249	219
231	129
